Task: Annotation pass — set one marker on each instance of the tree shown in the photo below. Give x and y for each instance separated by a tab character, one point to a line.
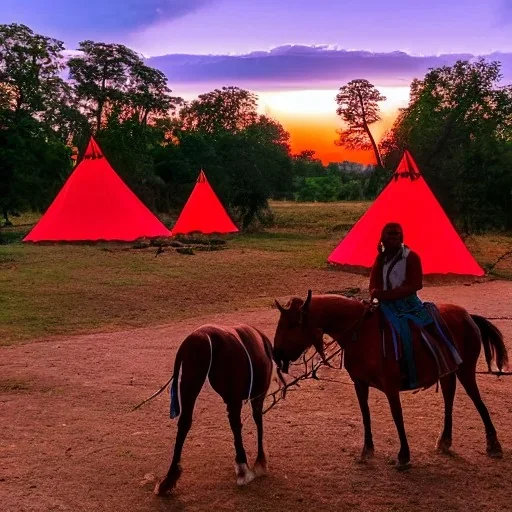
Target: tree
34	101
177	163
149	95
458	124
130	148
33	163
358	107
228	109
62	114
271	143
101	76
305	164
112	80
245	155
29	67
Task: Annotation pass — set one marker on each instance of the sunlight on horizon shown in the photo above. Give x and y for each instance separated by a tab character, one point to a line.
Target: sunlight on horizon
310	118
309	115
313	102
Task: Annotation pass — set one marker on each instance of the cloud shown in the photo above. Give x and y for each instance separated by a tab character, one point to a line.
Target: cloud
99	16
301	66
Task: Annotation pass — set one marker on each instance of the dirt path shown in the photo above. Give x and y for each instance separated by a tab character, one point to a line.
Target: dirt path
68	441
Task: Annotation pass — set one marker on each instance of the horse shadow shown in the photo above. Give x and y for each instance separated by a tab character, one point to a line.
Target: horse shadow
264	493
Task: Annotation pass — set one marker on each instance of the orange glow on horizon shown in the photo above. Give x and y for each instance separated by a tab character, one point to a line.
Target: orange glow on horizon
310	118
319	135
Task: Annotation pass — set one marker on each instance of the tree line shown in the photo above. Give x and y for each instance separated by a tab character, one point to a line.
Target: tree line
458	125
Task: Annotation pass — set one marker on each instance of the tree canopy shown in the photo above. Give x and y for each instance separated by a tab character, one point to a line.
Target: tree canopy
458	125
358	106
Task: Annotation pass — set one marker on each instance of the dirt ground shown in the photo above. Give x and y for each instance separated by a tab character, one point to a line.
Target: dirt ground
69	441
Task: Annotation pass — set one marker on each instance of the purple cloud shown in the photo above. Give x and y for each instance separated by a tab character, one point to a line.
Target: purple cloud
300	66
84	19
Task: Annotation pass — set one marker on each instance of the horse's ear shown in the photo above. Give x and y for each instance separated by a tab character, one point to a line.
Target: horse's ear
278	306
305	306
304	309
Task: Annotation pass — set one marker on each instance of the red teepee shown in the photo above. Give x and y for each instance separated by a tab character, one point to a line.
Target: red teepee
95	204
407	199
203	212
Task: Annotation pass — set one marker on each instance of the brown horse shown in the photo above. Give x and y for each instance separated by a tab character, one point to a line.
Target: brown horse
358	332
238	363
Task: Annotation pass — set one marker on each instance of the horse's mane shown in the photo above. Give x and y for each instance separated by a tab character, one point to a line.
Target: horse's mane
332	299
335	296
329	299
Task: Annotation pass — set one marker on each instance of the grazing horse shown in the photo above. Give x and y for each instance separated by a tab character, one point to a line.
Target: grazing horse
358	332
238	363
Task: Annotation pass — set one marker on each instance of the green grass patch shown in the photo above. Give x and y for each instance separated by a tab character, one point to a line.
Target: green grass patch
57	289
321	219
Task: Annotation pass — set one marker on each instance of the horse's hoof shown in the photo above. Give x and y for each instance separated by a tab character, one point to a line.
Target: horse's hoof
496	452
494	449
244	475
366	455
162	488
157	490
168	483
443	445
402	466
260	468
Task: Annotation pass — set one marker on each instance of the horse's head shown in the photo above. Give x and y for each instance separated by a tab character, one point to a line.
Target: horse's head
295	332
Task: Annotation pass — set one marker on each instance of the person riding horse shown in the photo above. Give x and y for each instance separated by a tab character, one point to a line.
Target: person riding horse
397	271
363	333
395	280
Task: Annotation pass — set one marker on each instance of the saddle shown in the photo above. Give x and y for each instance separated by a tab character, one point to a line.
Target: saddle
432	336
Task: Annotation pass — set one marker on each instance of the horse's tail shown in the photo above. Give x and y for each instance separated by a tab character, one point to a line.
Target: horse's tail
175	400
492	341
267	346
187	346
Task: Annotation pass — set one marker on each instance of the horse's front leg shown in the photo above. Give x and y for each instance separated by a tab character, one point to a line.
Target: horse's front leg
404	455
362	391
243	473
260	466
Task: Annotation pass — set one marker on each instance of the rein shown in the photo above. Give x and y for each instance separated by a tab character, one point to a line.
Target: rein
280	394
311	373
368	309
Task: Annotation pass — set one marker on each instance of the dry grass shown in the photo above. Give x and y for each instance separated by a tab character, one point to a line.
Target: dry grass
61	289
66	403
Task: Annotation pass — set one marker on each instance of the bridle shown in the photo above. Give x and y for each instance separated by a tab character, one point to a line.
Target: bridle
355	327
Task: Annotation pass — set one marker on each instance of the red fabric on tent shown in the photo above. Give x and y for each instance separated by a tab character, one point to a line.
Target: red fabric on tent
407	199
95	204
203	212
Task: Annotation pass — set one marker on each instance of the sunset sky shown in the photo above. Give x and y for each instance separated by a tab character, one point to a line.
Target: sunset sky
294	54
